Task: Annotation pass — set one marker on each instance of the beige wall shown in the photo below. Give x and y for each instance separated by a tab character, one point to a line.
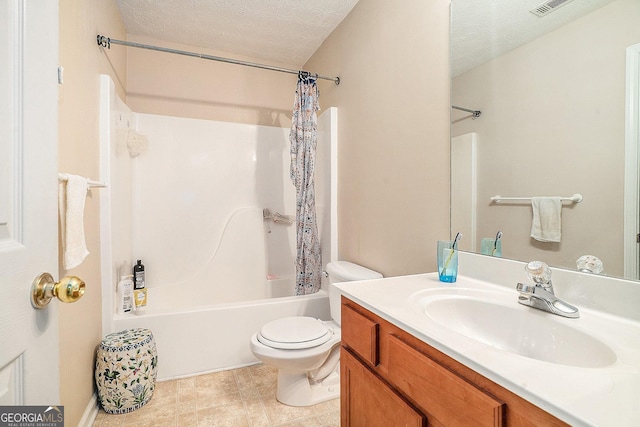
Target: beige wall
552	124
182	86
393	130
83	61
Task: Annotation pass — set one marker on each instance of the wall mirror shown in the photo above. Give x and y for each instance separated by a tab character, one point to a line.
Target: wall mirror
550	82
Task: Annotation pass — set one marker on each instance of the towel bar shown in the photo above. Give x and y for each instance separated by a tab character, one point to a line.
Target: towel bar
576	198
90	183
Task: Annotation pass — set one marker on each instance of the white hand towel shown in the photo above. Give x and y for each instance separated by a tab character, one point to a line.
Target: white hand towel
71	198
546	225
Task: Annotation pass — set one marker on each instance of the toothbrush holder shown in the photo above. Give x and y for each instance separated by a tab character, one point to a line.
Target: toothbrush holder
447	261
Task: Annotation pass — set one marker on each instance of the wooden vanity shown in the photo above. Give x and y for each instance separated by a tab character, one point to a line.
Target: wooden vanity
391	378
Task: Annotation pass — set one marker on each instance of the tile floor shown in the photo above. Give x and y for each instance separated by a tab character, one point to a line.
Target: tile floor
239	397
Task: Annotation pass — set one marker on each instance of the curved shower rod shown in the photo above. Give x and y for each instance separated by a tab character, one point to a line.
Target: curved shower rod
106	42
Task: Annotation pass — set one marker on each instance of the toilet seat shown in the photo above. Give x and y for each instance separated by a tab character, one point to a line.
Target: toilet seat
294	333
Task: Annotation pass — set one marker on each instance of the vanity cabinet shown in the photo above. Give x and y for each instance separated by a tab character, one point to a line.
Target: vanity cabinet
391	378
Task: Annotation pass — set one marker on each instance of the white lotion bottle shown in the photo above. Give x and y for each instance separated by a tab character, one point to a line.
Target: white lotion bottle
124	292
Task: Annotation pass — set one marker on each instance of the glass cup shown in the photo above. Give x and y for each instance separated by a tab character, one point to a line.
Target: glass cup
447	261
489	246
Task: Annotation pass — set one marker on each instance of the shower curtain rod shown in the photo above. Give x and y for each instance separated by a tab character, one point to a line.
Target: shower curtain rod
106	42
476	113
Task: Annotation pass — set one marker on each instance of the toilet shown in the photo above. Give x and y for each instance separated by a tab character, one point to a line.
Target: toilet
305	350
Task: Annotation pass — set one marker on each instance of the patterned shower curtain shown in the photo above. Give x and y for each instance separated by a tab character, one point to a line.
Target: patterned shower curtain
304	138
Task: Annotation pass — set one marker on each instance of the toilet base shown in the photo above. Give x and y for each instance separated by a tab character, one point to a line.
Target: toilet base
297	389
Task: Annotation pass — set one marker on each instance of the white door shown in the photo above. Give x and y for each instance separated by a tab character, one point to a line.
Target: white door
28	199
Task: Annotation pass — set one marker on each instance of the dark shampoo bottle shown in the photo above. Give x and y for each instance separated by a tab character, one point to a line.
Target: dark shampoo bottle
138	275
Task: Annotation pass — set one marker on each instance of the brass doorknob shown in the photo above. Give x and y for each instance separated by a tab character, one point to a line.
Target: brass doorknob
44	288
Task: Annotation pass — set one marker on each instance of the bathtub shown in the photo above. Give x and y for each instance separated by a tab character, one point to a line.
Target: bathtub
200	339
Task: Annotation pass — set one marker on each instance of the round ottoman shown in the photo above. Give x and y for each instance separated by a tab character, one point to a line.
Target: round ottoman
126	370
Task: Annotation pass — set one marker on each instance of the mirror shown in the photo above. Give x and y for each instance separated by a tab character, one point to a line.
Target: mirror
551	92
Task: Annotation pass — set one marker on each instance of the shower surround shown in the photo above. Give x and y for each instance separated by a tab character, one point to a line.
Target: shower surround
190	205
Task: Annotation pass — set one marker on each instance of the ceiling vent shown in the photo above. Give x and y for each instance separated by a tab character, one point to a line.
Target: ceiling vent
547	7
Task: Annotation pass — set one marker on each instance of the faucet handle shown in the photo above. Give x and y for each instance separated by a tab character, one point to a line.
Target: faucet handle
538	272
589	264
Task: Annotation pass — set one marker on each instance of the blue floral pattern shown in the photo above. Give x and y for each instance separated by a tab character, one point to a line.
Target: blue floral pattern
126	370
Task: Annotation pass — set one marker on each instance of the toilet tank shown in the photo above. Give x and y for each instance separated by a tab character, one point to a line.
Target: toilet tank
344	271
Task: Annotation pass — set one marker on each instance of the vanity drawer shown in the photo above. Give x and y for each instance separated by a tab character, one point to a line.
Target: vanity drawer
446	396
360	334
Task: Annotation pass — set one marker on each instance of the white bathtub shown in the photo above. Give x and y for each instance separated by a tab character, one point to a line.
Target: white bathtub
209	338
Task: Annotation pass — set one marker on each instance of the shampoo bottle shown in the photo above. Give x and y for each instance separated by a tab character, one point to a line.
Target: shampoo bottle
125	295
138	275
140	291
140	297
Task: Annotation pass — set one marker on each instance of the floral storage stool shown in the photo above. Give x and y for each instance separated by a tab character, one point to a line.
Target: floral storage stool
126	370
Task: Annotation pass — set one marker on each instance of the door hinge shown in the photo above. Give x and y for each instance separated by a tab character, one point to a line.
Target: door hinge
638	238
60	75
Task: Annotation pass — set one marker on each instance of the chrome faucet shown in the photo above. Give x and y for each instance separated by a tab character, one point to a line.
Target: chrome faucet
541	295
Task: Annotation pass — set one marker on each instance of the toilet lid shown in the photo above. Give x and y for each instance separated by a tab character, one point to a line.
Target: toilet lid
291	333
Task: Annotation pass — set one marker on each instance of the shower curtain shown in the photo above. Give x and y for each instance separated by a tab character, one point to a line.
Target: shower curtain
304	138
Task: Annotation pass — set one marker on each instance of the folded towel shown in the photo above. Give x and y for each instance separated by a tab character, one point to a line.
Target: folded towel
71	198
546	225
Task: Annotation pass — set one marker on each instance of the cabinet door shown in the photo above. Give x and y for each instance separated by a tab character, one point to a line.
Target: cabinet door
443	394
369	402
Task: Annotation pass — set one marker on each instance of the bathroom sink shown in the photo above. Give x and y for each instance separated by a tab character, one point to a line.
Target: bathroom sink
497	320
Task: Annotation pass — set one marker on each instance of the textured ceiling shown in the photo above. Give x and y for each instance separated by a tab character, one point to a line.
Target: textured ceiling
283	31
484	29
290	31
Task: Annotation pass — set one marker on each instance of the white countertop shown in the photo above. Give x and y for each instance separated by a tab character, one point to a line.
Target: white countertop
603	396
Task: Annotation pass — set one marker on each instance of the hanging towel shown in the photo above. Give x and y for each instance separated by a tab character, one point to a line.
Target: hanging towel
71	197
546	225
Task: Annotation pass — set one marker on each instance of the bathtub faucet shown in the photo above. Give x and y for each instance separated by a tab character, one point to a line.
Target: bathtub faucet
277	217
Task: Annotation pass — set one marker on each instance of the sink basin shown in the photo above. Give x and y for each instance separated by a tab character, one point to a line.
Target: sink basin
496	319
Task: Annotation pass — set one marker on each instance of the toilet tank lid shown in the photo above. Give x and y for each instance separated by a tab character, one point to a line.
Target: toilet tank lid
346	271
